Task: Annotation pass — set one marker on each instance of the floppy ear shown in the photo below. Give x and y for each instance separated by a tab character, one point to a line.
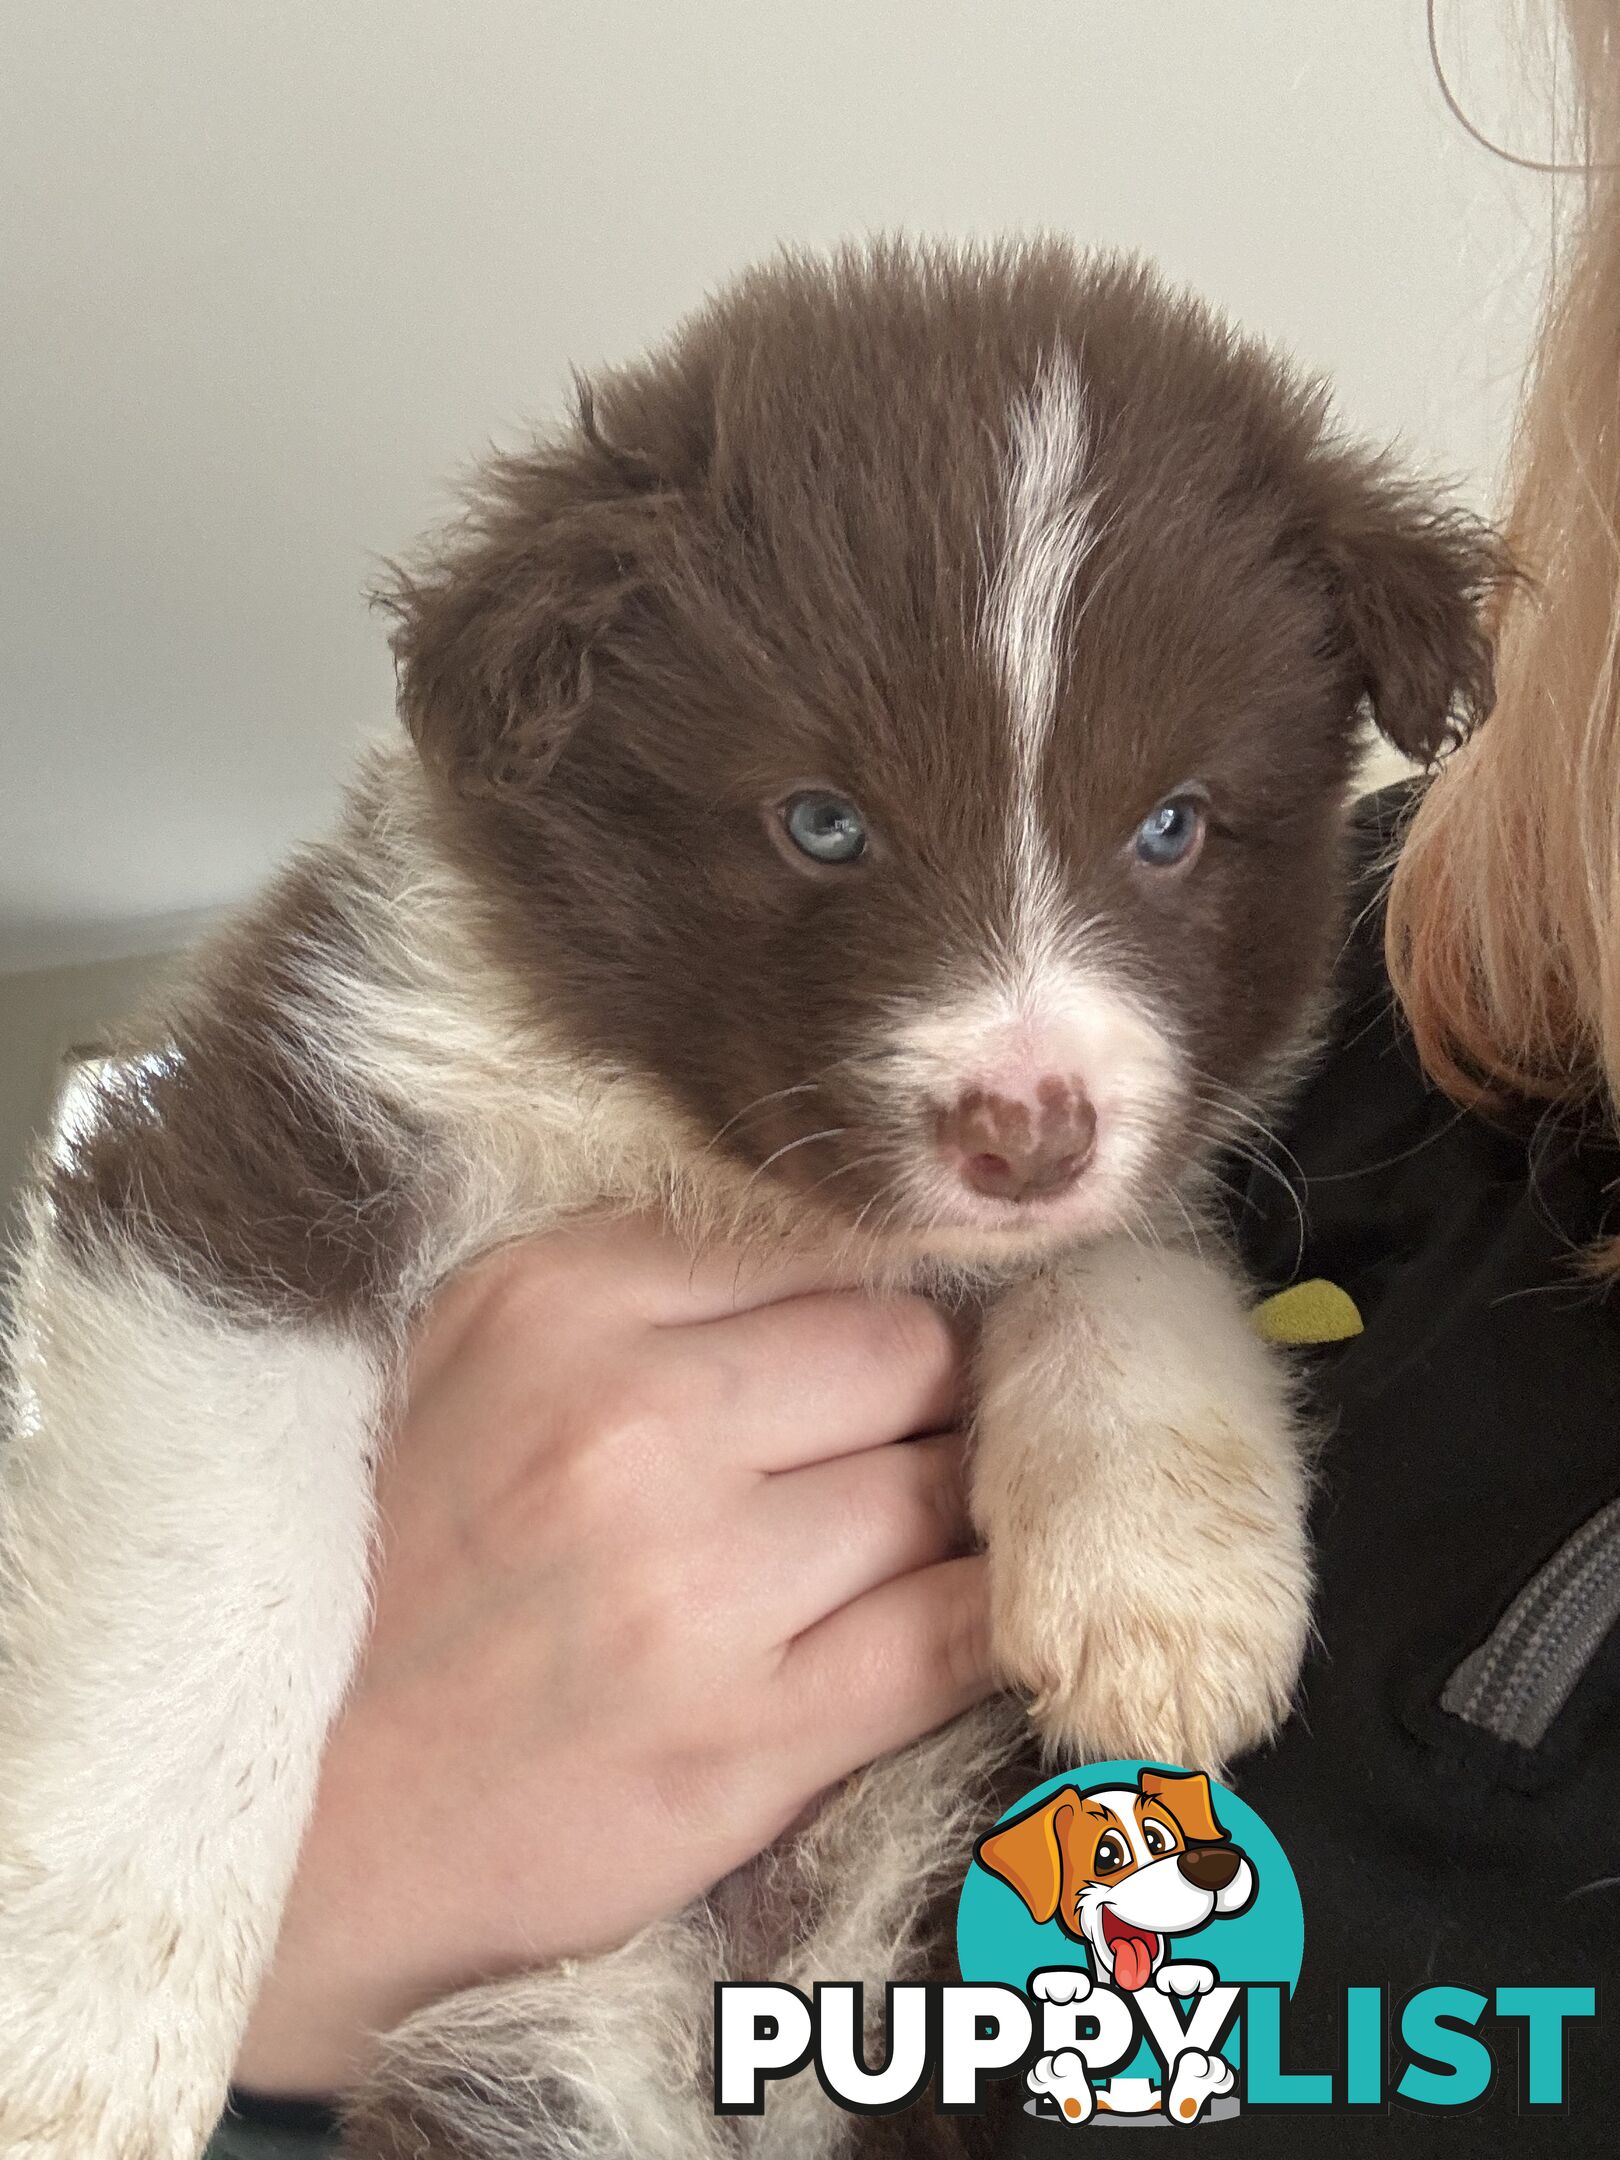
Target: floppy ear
1410	580
1027	1855
497	635
1189	1800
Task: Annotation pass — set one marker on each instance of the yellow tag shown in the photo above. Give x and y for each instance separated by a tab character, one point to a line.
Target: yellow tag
1307	1312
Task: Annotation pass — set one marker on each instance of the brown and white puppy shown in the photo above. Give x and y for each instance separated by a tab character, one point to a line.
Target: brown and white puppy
876	777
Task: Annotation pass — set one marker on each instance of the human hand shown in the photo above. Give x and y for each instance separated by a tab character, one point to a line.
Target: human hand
655	1551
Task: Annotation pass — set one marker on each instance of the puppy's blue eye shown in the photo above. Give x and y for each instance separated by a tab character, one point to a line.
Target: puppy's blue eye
825	827
1170	835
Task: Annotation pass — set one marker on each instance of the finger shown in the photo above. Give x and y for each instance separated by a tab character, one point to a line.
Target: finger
883	1671
817	1538
608	1276
671	1283
821	1376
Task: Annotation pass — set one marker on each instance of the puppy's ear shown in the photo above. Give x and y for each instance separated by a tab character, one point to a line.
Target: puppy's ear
497	636
1189	1798
1410	580
1027	1853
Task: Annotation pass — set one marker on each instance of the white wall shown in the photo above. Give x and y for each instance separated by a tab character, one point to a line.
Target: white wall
271	271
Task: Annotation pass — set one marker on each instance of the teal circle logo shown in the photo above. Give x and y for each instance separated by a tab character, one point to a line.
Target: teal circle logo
1120	1895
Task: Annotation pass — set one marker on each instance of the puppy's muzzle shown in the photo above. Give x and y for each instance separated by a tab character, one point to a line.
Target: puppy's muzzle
1020	1146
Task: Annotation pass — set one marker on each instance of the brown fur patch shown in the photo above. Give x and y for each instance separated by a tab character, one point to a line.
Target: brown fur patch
228	1161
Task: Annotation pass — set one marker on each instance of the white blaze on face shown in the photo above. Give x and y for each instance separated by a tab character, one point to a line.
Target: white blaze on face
1047	531
1047	1002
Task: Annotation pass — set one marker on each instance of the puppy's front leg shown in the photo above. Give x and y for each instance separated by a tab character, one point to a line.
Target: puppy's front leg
1140	1484
184	1515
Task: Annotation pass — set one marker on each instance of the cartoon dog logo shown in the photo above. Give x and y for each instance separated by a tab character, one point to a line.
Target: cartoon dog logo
1125	1869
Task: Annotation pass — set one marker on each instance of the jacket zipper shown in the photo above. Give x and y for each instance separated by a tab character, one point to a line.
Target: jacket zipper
1524	1672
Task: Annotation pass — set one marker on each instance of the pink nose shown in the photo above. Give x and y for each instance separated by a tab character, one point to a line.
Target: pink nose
1020	1147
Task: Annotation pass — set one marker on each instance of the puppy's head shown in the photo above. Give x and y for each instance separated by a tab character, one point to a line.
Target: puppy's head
907	721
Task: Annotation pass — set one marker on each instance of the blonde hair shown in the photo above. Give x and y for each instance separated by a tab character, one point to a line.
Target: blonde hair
1504	916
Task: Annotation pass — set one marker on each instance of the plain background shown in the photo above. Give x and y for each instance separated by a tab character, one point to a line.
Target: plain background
273	271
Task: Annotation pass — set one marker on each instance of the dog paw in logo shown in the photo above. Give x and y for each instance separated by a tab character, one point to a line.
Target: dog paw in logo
1133	1902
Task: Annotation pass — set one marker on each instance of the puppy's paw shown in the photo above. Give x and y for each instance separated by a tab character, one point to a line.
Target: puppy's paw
1196	2080
1184	1980
1165	1650
1139	1481
1061	1984
1062	2079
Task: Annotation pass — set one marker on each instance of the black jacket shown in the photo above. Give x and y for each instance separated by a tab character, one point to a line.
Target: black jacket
1448	1790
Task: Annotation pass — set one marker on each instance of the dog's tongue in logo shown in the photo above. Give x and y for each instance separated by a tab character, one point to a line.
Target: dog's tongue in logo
1134	1951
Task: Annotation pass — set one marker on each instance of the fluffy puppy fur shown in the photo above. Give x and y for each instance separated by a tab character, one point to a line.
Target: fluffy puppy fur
1057	603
